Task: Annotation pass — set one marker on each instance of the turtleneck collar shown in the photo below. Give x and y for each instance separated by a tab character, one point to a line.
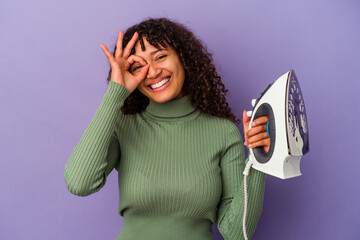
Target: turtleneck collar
173	110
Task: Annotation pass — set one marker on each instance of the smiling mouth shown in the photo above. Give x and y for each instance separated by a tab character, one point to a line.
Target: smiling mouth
159	84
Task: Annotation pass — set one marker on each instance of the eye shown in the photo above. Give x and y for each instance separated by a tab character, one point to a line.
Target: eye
136	68
161	57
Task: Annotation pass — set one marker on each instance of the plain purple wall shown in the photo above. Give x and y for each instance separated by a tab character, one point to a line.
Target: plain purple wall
53	77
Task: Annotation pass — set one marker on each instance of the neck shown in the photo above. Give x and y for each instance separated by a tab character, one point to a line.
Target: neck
177	108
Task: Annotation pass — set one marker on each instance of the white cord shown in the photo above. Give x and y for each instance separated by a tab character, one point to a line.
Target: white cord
246	173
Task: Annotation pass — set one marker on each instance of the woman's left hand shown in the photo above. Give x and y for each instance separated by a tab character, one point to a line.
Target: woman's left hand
256	136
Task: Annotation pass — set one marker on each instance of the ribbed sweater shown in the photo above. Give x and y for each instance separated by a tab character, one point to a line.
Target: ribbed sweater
179	169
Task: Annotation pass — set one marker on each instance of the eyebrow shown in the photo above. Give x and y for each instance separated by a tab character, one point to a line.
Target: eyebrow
161	49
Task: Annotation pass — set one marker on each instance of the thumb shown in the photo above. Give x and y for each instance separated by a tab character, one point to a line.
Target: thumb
246	121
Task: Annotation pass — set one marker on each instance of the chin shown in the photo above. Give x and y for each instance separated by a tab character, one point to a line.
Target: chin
163	96
161	99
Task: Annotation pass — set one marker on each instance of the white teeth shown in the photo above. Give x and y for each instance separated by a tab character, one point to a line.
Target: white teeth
159	84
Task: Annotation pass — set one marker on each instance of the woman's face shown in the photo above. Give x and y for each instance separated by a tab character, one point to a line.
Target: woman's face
166	74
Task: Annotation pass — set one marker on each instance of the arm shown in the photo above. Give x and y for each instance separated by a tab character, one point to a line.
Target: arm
98	151
230	215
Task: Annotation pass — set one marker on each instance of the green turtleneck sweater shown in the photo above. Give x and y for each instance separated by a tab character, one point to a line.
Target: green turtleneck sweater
179	170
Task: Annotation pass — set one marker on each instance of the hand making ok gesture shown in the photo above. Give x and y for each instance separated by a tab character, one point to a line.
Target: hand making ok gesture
121	62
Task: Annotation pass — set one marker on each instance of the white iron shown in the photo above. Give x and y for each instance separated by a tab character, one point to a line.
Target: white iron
283	103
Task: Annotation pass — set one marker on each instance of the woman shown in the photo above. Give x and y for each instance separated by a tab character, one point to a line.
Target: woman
165	126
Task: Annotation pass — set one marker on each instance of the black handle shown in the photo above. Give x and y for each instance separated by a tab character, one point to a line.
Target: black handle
266	110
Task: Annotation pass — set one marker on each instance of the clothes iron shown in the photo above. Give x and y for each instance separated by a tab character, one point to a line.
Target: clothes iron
283	103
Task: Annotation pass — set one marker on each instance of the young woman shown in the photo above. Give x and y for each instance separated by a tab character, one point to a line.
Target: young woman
164	124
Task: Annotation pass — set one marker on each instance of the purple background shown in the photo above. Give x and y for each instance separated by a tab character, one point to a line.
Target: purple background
53	77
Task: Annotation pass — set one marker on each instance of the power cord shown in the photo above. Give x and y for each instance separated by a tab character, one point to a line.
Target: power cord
246	173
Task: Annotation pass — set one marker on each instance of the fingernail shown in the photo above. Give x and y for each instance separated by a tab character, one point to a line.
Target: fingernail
250	146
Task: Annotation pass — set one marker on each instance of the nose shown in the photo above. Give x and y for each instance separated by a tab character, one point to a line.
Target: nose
154	71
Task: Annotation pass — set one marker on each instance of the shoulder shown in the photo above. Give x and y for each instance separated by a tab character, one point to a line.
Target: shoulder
224	123
222	128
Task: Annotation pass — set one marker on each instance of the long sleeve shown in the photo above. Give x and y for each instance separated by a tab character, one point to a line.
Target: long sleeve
230	215
98	151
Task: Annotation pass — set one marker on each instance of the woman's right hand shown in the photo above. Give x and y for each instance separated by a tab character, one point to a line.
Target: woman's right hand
121	62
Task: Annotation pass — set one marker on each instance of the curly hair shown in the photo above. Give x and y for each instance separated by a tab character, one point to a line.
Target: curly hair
202	83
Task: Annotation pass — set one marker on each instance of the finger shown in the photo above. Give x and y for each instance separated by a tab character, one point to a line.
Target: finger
119	49
107	53
142	74
262	143
260	120
130	45
256	130
257	138
135	58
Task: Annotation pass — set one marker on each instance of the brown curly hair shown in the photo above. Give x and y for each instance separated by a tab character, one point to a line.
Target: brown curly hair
202	83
